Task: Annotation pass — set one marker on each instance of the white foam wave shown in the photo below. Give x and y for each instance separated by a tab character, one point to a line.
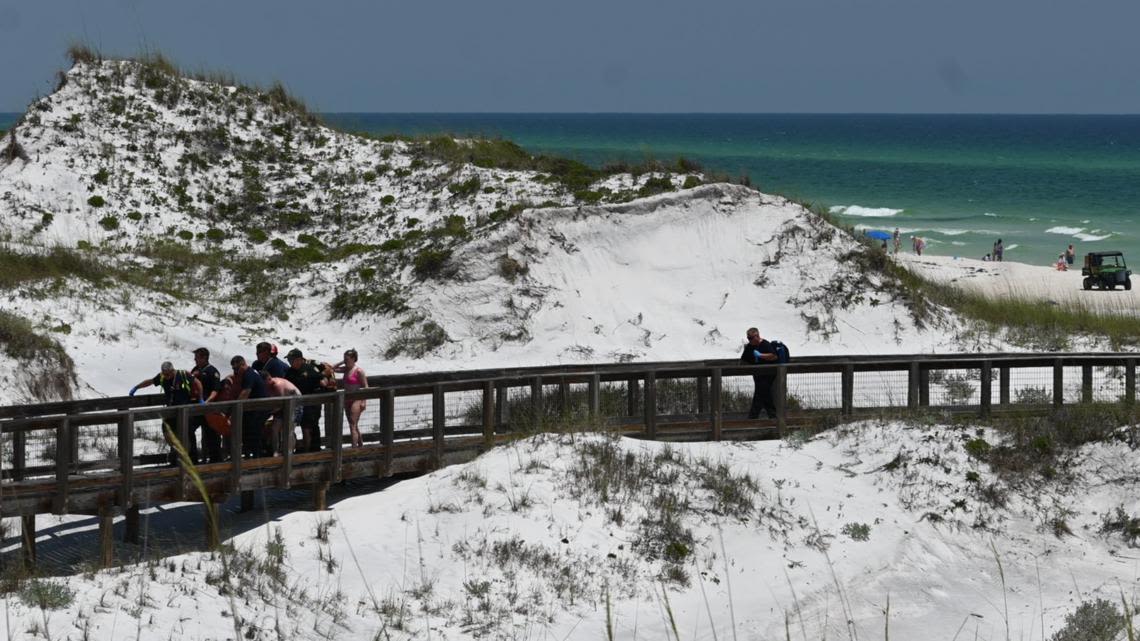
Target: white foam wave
865	212
1013	246
1065	231
990	214
1092	238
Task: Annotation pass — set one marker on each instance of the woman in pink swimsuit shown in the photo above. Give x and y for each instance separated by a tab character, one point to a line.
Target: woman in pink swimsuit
354	379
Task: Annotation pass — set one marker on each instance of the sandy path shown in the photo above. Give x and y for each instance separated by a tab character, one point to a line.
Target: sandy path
1019	280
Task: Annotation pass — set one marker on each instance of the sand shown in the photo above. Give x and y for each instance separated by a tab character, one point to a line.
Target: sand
1020	280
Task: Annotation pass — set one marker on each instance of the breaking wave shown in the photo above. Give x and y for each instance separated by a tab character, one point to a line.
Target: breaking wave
864	212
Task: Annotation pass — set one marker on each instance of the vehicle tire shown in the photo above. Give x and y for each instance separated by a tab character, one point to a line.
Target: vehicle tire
1128	285
1087	283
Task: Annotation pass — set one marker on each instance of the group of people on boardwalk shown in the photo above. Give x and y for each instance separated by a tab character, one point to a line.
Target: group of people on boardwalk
268	376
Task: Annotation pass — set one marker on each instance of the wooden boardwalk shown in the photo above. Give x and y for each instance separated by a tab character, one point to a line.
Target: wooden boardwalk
454	416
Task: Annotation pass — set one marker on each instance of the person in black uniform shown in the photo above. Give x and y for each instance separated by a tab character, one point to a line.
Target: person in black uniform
180	388
211	380
310	377
252	421
267	361
756	352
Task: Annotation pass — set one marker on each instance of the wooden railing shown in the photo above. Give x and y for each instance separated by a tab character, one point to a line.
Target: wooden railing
88	456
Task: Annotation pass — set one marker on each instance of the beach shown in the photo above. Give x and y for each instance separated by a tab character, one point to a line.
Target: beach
1014	280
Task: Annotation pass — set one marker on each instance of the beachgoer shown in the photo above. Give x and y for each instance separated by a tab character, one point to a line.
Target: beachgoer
310	377
897	239
884	245
180	388
999	249
986	258
1070	255
276	388
1062	266
267	360
211	380
919	244
354	379
252	421
759	351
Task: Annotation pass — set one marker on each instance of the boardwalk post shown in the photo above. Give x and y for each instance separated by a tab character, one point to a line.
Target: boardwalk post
848	384
987	392
182	432
923	386
651	404
714	402
781	393
912	382
247	499
106	537
126	459
387	427
438	422
595	394
62	465
488	415
1003	385
702	394
502	400
19	454
1086	384
631	396
1058	382
1130	381
321	496
213	524
336	442
563	397
131	525
28	539
285	441
235	447
536	413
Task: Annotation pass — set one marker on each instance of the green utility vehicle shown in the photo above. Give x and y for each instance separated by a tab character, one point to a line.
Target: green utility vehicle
1106	270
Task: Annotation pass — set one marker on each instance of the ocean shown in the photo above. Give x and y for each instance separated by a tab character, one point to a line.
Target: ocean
961	182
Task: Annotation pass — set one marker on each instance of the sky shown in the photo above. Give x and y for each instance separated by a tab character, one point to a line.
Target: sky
744	56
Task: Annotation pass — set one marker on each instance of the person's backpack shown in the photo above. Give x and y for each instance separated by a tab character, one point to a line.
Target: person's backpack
782	353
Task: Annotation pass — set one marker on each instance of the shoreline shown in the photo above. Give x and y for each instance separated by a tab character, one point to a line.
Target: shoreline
1020	281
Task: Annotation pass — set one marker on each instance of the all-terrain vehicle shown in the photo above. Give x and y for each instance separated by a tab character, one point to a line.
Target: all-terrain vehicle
1106	270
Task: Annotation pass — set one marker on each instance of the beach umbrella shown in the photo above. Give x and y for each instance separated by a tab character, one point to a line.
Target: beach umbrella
879	235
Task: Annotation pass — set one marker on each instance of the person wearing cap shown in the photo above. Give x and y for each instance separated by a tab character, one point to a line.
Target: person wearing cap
311	378
211	380
252	387
267	360
180	388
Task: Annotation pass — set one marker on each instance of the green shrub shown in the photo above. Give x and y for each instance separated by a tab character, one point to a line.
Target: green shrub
46	595
510	269
656	185
134	215
279	245
186	234
257	235
20	340
294	220
1092	621
96	201
588	196
453	226
367	273
216	235
301	255
101	176
388	199
857	531
464	189
430	261
110	223
387	300
392	244
310	240
690	182
416	338
368	176
978	448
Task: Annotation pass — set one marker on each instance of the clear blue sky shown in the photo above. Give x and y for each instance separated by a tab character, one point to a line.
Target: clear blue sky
993	56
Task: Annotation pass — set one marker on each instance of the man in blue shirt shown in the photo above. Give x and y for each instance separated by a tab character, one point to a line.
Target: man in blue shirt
253	421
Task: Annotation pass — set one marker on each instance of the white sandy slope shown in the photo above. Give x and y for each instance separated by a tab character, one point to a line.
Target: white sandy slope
501	548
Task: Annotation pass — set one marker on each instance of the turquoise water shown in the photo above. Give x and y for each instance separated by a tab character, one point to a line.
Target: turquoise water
961	181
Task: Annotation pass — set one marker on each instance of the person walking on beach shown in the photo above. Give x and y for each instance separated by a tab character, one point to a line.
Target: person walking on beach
919	245
354	379
999	249
897	237
1070	255
756	352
